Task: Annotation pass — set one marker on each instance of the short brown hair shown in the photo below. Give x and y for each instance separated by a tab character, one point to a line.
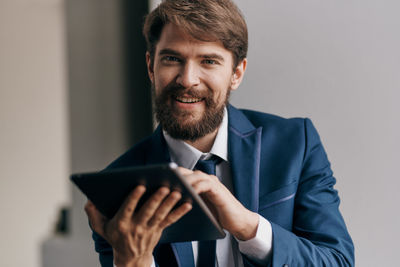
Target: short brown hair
205	20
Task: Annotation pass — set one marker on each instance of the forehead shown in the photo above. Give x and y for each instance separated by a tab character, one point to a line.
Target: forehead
175	39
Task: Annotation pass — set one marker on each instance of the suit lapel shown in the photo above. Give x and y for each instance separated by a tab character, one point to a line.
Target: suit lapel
244	148
183	253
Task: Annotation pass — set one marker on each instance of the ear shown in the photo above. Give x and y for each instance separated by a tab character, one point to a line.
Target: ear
150	67
238	74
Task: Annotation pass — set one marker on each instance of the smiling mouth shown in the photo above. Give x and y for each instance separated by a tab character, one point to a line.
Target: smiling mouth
188	99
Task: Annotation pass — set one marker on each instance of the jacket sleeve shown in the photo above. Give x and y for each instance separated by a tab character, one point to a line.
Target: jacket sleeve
319	236
105	251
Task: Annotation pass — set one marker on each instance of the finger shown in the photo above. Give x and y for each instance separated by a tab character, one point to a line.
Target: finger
214	192
204	186
196	176
96	219
127	209
201	182
165	208
175	215
184	171
151	205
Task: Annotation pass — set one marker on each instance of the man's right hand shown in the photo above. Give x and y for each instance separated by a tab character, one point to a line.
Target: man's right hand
133	234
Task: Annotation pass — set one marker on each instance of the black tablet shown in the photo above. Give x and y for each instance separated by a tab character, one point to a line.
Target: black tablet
108	190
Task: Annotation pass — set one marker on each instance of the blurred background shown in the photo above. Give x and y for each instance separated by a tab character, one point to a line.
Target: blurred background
74	95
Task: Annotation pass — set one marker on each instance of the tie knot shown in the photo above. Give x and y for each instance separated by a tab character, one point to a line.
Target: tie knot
208	166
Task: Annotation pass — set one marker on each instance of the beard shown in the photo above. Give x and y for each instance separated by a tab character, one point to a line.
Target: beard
183	124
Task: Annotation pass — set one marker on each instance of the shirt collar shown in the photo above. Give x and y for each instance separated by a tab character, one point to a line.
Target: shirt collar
187	156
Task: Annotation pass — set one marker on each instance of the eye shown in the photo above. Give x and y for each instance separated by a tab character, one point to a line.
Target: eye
171	59
210	61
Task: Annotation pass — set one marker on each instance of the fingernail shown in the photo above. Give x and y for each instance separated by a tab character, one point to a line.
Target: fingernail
177	194
164	190
140	188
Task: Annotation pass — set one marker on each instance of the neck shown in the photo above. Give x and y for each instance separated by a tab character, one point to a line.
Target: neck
205	143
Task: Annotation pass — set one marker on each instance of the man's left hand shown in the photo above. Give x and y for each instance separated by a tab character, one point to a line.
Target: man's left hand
231	214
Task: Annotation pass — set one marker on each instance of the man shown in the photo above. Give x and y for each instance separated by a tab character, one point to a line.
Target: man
273	190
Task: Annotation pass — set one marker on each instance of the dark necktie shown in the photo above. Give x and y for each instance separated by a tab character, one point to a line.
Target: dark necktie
206	249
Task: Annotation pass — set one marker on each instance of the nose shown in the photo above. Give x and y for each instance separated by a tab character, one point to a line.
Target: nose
188	76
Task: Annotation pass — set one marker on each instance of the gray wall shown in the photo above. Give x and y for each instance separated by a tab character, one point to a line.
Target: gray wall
337	62
34	163
97	117
109	105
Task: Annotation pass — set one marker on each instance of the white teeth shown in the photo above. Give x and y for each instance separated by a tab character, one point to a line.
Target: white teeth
188	99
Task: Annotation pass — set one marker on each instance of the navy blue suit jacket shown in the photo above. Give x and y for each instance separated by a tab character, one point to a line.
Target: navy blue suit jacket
279	170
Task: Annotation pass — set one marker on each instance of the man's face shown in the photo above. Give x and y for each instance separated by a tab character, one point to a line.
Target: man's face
191	82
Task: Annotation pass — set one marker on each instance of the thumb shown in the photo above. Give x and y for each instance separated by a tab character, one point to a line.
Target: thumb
96	219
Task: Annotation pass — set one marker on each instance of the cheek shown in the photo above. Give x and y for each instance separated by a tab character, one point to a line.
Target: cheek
220	84
215	78
164	76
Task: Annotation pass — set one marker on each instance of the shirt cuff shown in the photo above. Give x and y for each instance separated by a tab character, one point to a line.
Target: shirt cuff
258	248
153	264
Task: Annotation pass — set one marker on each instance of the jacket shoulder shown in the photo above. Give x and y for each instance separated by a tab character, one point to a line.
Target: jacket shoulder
135	156
273	122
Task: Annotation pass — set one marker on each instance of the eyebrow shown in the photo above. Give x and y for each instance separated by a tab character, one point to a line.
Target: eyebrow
168	51
213	56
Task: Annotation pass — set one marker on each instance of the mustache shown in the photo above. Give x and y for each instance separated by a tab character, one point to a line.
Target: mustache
176	90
